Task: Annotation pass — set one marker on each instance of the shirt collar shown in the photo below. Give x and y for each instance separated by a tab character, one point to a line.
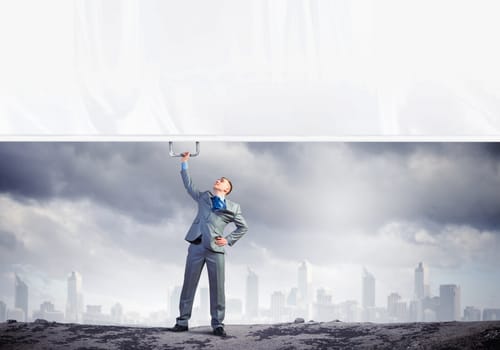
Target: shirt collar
221	196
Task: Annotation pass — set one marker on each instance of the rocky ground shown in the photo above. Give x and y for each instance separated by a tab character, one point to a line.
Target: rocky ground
310	335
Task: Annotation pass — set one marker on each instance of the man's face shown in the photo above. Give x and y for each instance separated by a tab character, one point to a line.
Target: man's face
222	185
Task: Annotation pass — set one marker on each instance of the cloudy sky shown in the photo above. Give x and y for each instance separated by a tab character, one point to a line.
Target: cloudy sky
117	213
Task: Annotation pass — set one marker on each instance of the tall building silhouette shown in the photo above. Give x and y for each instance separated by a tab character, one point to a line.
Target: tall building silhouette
305	293
491	315
16	314
419	282
392	305
397	310
252	295
117	313
21	296
449	302
415	311
368	290
349	311
74	302
368	295
277	306
472	314
291	299
3	311
49	313
324	308
94	315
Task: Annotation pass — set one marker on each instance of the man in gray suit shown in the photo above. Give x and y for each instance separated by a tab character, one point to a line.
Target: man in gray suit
206	246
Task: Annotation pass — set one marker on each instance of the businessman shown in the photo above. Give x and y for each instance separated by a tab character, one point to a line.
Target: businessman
207	246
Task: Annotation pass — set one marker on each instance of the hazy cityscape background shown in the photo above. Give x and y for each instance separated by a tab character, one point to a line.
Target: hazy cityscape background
299	301
380	232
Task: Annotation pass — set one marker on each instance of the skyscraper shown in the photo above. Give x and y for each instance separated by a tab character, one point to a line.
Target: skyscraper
416	311
49	313
277	306
472	314
252	295
47	306
324	308
491	314
349	311
117	313
21	296
449	302
3	311
304	296
397	310
323	297
368	295
16	314
94	315
419	282
304	282
430	309
392	305
291	299
368	292
74	302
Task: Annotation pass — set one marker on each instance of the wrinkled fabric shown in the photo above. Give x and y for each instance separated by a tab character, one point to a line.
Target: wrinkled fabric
249	68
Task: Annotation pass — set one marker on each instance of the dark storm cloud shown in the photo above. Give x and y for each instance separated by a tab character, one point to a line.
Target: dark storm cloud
369	149
486	150
282	186
26	169
134	178
464	191
442	183
492	148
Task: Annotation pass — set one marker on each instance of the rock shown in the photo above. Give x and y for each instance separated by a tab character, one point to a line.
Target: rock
299	320
11	321
320	335
41	321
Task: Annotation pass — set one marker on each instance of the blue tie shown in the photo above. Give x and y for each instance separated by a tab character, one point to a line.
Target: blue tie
218	203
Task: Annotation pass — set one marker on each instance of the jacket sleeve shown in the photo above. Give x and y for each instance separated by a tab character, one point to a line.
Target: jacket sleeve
188	184
241	228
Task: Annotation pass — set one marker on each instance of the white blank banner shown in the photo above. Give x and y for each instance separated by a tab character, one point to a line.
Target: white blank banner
250	68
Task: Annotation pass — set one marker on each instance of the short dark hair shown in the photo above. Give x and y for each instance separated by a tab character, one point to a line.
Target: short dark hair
230	185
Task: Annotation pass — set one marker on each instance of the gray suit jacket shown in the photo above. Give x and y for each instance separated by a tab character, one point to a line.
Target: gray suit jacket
211	223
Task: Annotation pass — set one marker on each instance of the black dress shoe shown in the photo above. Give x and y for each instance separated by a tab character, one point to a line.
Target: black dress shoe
178	328
219	331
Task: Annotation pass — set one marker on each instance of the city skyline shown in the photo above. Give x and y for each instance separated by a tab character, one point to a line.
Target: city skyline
173	294
117	213
284	305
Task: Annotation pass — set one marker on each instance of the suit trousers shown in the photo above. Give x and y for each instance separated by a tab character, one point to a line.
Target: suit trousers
197	257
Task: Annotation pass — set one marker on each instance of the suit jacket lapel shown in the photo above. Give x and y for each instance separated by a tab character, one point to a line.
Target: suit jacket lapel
229	206
208	198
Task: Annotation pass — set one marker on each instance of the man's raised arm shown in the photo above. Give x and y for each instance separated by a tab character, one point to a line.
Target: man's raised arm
186	178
